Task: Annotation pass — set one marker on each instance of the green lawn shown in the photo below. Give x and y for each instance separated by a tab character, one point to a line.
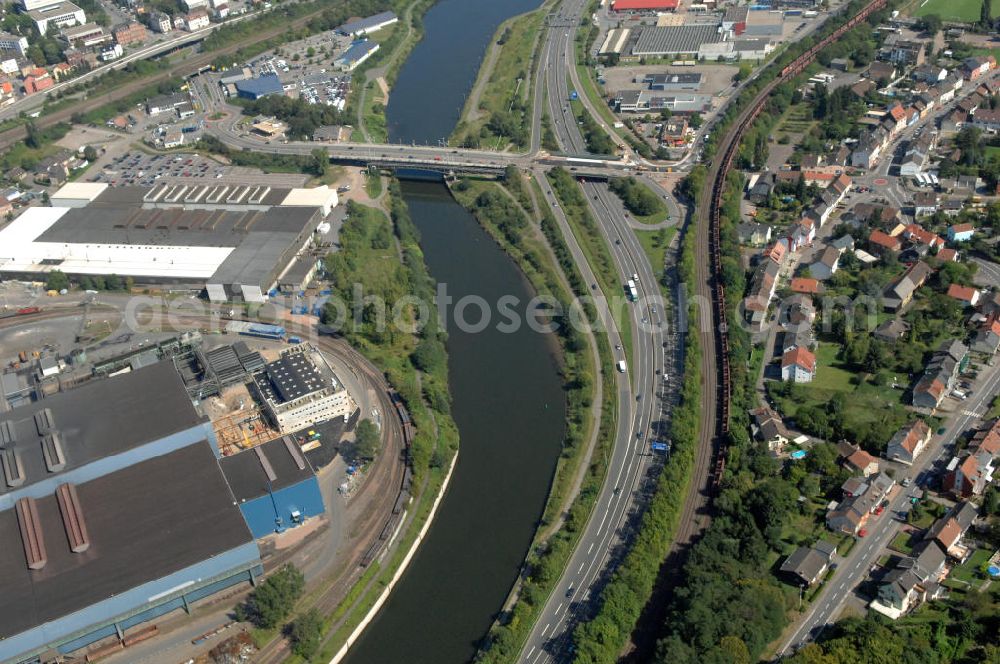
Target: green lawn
903	543
969	570
830	373
966	11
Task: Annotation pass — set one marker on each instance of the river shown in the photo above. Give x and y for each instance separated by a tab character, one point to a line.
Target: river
508	401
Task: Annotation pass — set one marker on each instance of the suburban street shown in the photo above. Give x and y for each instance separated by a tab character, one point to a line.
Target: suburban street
827	605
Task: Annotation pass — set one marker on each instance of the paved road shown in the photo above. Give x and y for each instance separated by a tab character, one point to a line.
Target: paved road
881	529
640	409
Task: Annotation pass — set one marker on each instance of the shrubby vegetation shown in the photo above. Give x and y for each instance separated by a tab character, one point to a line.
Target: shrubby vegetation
637	197
273	600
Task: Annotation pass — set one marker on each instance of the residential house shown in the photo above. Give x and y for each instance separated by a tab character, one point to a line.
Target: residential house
976	66
899	591
954	121
762	287
905	52
947	255
674	132
987	339
854	487
852	513
900	292
775	252
918	235
127	34
859	461
960	232
753	234
160	22
807	565
863	87
891	330
761	191
869	148
907	443
768	427
941	374
801	234
826	266
990	304
924	203
881	72
196	20
930	74
917	155
798	365
798	311
805	285
987	119
969	473
949	530
879	243
965	294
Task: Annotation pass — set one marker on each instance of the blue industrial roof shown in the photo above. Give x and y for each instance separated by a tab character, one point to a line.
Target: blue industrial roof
357	51
268	84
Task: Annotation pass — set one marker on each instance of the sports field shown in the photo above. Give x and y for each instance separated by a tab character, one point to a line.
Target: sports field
966	11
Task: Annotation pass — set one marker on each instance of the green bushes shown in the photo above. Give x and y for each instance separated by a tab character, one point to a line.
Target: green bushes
637	197
272	601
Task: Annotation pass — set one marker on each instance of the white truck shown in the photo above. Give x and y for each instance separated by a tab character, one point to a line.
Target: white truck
621	366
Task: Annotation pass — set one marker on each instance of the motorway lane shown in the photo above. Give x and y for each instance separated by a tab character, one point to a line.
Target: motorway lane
551	636
881	529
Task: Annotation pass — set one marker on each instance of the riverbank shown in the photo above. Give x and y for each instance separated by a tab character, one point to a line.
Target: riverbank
372	81
376	251
529	235
497	113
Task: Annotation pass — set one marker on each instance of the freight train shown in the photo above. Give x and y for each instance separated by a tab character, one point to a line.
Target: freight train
791	70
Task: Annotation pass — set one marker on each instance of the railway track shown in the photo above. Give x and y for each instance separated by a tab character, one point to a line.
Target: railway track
183	68
377	512
718	174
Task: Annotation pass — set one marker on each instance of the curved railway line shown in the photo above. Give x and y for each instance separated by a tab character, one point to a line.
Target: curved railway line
718	174
378	512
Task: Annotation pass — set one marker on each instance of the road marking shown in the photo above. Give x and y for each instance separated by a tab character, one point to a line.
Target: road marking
581	567
531	651
590	549
547	626
559	608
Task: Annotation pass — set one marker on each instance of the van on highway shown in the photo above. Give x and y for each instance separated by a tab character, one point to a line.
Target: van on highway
621	366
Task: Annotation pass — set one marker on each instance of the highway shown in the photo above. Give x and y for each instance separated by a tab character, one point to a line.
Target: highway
826	607
640	409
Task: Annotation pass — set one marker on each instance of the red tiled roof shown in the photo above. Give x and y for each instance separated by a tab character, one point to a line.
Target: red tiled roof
947	254
799	356
626	5
883	240
805	285
963	293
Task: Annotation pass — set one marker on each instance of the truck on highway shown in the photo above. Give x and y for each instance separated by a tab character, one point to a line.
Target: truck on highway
621	366
631	291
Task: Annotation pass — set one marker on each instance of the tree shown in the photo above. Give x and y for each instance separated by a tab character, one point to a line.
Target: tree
986	14
931	24
90	154
305	633
321	161
272	601
56	281
367	440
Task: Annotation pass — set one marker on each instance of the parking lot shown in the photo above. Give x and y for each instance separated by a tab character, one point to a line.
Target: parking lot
136	168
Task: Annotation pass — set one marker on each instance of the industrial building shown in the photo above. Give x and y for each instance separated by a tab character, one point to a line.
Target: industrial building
676	39
356	54
274	485
645	5
114	510
262	86
299	389
233	241
58	14
670	82
368	25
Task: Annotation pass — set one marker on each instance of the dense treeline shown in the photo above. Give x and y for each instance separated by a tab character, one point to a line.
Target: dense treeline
964	632
302	117
316	163
637	197
367	271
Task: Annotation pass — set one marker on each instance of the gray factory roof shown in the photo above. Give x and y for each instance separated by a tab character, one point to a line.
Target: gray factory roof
293	376
363	24
144	522
101	418
675	39
248	476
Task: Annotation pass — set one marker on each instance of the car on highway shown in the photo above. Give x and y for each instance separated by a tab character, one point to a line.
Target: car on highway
862	532
569	592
